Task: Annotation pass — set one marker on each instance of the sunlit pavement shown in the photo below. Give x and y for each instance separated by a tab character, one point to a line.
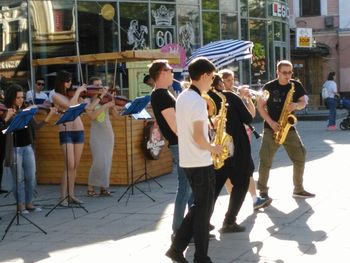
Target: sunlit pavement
138	230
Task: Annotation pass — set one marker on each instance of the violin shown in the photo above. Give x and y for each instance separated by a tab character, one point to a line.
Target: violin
90	92
118	100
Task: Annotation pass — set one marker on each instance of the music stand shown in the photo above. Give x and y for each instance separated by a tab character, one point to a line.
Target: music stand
70	115
20	121
136	106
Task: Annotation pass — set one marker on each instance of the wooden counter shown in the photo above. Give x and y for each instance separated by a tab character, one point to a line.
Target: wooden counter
50	163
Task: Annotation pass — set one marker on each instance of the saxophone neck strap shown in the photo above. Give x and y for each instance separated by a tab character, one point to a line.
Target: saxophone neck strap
194	88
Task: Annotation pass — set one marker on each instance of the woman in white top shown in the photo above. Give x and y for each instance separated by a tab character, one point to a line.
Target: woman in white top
331	101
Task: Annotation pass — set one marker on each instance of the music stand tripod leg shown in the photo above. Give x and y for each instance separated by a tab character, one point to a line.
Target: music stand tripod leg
68	197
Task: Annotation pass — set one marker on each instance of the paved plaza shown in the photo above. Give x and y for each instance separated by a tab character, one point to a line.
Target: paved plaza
136	229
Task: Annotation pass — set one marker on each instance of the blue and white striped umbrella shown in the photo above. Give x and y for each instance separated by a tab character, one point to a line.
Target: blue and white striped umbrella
224	52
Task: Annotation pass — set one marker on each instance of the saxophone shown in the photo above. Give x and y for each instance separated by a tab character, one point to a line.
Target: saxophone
221	137
286	119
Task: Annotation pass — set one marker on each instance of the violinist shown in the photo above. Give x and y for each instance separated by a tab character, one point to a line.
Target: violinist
101	140
19	147
71	135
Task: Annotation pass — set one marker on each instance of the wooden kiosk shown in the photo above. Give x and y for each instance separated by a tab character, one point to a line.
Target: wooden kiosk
49	156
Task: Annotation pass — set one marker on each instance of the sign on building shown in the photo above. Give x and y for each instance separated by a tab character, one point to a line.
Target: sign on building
303	37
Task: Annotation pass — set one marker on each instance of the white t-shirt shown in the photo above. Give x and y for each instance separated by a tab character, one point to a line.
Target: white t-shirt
52	92
331	87
191	107
41	95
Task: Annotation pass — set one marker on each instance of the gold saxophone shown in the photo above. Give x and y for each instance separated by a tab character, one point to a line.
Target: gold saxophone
286	119
221	137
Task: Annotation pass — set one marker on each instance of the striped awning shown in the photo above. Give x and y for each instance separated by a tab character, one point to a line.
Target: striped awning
224	52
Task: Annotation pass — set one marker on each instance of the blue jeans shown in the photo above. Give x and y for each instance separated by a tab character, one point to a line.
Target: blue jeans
184	193
24	172
332	105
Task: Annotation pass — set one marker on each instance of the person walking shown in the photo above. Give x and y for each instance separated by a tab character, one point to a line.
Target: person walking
271	110
331	90
195	157
163	105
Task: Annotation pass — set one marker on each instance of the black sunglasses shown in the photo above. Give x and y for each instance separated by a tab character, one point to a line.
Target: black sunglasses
40	84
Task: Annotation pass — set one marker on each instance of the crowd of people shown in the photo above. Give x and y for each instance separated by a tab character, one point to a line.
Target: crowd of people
17	153
196	139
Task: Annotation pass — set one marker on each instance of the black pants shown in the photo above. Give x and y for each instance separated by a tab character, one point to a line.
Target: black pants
240	182
196	221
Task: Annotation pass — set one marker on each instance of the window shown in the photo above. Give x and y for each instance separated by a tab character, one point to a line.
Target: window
310	8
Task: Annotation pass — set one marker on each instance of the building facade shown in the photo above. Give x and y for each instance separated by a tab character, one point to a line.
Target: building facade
329	51
37	29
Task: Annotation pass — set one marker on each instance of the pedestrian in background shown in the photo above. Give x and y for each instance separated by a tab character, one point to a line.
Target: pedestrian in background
331	100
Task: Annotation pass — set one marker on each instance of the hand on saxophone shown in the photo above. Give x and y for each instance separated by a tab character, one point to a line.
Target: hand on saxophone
216	149
274	126
293	106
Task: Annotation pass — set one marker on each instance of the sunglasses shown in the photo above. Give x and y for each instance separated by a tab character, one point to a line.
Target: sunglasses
40	84
168	69
286	72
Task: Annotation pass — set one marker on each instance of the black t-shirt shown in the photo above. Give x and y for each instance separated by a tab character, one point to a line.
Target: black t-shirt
278	94
237	116
162	99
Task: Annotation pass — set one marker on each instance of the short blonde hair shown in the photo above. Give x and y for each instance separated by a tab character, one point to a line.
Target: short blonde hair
225	73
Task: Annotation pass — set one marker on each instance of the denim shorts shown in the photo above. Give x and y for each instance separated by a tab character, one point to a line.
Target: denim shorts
75	137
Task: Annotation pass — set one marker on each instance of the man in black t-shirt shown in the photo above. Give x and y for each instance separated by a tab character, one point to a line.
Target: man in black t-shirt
163	104
270	111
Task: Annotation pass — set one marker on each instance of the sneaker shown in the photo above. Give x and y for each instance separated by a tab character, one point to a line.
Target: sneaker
265	196
261	202
34	209
231	228
176	256
24	212
303	194
332	128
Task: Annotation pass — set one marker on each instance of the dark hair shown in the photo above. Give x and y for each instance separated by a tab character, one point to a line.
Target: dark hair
331	75
200	66
216	81
146	78
11	94
39	78
62	77
156	67
94	78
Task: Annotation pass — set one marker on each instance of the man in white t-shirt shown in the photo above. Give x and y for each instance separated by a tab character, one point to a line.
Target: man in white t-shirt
39	94
195	158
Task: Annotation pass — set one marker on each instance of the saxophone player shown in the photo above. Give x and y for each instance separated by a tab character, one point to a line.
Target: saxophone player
280	105
239	167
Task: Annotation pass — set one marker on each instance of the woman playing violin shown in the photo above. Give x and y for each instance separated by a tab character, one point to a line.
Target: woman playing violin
19	147
101	140
71	135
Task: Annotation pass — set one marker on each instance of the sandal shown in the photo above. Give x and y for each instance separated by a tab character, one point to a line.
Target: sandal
105	193
91	193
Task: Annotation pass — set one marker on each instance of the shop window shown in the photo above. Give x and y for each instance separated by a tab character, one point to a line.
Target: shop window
163	25
210	4
256	8
229	26
310	7
94	28
135	26
228	6
211	27
244	8
188	28
259	61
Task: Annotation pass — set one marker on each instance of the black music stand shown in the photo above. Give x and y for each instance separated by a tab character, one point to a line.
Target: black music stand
20	121
135	107
70	115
